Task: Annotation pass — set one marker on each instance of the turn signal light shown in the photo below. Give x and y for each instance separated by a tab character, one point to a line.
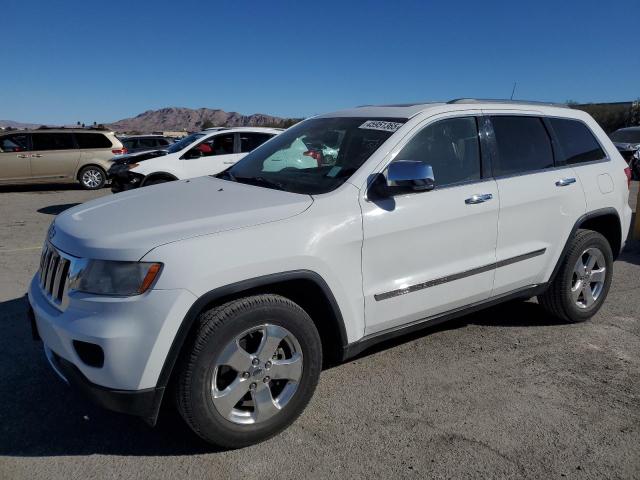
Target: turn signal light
151	275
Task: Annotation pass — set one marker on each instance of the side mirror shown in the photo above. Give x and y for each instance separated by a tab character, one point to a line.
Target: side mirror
405	176
192	154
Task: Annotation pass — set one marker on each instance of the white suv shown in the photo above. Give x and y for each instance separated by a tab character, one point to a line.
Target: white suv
204	153
233	289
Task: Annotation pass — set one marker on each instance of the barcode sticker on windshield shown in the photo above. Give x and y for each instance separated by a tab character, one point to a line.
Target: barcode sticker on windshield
381	125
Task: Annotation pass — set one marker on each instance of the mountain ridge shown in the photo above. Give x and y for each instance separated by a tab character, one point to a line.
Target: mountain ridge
191	119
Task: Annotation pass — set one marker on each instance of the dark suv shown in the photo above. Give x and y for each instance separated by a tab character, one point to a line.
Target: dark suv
627	141
140	143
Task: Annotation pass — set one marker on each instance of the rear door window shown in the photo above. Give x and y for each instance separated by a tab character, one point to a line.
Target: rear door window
92	140
52	141
523	145
130	144
14	143
223	144
577	143
251	141
147	143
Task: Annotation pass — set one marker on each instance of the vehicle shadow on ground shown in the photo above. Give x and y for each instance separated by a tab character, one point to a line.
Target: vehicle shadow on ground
56	209
41	416
40	187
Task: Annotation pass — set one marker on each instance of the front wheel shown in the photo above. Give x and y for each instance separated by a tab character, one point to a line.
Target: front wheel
583	280
92	177
250	370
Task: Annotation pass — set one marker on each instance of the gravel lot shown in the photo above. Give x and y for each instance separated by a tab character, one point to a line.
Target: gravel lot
508	392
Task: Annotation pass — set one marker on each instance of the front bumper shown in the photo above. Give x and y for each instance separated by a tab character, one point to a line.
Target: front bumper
134	333
122	179
142	403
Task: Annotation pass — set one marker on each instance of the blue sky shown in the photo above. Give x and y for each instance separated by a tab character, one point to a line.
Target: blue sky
64	61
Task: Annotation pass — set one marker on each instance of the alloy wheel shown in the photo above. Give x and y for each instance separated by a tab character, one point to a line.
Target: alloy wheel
589	275
92	178
256	374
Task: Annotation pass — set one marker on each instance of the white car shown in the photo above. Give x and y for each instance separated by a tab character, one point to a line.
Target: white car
204	153
231	290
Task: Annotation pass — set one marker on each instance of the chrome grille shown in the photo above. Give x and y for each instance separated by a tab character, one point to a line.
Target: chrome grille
54	275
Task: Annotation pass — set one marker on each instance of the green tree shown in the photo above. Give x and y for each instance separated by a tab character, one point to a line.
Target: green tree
206	124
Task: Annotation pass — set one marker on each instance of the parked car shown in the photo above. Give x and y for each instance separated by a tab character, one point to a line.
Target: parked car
232	289
141	143
204	153
627	141
58	155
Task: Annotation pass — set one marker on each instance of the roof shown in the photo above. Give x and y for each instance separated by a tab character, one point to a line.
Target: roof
384	111
408	110
242	129
59	130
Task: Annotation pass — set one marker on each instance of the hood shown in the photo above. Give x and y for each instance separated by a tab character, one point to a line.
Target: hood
138	156
127	225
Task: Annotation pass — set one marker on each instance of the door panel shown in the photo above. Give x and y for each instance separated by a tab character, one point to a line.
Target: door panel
14	158
540	200
54	156
430	252
434	246
218	154
536	216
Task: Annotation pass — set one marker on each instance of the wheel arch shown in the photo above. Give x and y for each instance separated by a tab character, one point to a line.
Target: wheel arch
306	288
154	175
605	221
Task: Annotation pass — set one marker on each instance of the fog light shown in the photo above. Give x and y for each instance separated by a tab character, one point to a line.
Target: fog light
89	353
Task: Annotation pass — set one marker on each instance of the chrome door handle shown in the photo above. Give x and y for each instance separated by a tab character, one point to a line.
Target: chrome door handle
478	198
22	156
563	182
36	155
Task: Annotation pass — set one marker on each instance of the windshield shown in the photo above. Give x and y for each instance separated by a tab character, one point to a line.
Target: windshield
185	142
626	136
315	156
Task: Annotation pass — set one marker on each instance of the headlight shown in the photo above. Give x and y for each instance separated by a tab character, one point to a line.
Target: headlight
104	277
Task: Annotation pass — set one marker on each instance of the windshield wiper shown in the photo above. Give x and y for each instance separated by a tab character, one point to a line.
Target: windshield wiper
260	182
226	175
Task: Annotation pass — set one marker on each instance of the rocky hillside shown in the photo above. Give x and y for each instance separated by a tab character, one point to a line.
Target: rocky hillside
177	119
17	125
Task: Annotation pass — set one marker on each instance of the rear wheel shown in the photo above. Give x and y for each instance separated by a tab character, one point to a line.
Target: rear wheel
583	281
252	368
92	177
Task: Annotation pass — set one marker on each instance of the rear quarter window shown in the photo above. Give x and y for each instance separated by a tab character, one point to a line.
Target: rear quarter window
93	140
577	143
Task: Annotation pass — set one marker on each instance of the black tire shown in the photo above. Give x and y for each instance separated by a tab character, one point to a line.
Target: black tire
557	299
216	330
92	177
156	181
635	169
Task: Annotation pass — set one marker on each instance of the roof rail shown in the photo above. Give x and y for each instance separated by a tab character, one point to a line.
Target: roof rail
510	102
